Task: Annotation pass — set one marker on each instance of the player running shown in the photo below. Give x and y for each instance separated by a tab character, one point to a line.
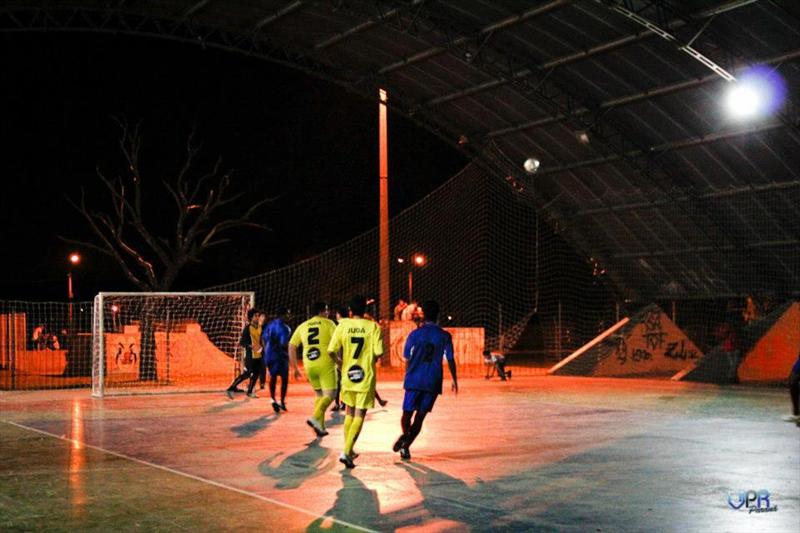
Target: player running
250	340
360	342
425	348
314	335
794	391
276	340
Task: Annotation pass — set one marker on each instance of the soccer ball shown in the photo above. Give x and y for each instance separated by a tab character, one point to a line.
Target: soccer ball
531	165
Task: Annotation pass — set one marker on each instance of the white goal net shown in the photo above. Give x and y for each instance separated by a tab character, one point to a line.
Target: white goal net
166	342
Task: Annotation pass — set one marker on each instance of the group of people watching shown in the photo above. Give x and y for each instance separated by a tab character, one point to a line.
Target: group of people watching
42	338
408	311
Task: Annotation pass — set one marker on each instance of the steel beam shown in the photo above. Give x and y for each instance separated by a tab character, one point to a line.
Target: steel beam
368	24
737	191
630	98
269	19
459	41
195	8
661	148
578	56
708	249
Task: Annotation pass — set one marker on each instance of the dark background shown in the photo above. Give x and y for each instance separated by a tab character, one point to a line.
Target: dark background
308	143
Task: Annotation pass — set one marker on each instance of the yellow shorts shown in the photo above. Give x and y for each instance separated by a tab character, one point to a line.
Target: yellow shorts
322	377
359	400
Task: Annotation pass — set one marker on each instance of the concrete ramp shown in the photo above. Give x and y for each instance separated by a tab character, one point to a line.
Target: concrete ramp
767	349
648	345
772	356
188	356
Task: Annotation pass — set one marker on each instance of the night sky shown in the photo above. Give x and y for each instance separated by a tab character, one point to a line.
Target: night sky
287	135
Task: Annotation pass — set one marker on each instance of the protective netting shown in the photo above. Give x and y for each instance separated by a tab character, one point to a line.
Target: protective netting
537	272
166	342
45	345
495	268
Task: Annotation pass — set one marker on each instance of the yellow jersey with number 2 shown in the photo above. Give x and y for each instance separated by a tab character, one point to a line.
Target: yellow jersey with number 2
315	335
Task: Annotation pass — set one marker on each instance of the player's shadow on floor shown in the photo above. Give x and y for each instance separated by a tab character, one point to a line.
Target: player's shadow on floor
335	418
451	498
355	503
248	429
221	408
312	461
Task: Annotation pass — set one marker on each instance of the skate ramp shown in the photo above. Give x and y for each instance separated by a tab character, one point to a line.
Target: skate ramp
187	355
648	345
769	347
772	356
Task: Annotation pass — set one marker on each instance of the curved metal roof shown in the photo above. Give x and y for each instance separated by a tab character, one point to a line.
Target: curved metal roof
670	195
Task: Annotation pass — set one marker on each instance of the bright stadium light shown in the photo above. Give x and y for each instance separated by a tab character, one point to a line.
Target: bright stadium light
743	101
758	92
74	258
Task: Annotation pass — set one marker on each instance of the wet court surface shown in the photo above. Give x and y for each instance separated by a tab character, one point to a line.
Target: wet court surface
533	454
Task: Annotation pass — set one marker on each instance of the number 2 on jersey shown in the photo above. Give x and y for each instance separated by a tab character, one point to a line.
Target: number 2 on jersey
313	336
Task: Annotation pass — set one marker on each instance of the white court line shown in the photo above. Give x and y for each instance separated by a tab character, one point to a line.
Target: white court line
192	476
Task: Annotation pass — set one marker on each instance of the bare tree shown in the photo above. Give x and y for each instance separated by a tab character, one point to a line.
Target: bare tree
203	203
202	206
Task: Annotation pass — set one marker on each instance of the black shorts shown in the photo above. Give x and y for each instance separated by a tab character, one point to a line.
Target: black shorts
253	365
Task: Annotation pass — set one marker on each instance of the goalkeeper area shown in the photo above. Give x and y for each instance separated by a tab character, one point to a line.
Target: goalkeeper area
534	454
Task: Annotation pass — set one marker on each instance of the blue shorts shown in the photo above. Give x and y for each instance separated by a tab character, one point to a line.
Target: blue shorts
419	400
796	367
278	367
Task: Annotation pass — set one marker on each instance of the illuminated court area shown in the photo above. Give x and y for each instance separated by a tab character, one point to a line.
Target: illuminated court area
534	454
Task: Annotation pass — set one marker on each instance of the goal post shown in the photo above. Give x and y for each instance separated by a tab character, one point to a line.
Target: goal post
159	342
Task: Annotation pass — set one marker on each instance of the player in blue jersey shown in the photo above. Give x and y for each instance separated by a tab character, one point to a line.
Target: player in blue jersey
794	391
424	351
275	339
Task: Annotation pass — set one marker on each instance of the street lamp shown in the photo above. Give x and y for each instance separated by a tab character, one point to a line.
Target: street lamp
74	259
416	260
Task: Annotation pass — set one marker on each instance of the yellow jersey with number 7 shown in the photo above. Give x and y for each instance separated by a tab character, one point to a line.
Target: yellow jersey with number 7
361	343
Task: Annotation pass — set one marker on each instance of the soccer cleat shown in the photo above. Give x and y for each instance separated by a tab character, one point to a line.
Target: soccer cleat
398	443
405	454
318	429
229	394
276	407
251	395
792	418
283	406
346	461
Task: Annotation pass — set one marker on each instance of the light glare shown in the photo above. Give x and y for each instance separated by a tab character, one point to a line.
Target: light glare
743	101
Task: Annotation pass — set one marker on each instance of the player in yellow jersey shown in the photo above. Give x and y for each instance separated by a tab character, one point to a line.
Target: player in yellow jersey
360	342
314	335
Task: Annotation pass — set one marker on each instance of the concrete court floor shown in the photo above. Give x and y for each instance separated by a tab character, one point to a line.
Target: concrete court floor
533	454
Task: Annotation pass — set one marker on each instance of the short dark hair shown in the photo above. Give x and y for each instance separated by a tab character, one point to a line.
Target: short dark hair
282	310
358	305
431	310
342	310
319	307
251	313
